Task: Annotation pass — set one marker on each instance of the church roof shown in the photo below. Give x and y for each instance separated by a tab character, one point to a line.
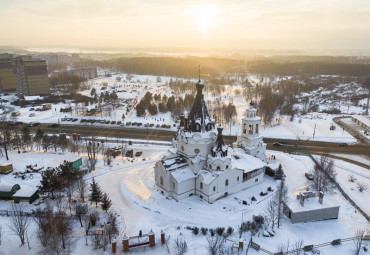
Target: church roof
199	112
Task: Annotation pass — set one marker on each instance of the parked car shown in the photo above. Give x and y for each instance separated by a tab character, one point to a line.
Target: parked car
151	125
119	122
128	123
113	122
54	125
139	124
138	153
32	109
277	144
74	120
31	115
309	176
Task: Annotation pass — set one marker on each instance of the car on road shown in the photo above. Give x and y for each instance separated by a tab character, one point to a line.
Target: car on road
309	176
32	115
343	144
277	144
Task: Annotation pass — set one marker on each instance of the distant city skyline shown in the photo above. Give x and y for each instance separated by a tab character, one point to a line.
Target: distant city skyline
235	24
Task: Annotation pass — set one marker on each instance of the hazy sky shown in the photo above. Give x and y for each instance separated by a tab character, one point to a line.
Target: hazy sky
249	24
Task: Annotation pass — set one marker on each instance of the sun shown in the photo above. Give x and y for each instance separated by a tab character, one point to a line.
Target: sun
205	16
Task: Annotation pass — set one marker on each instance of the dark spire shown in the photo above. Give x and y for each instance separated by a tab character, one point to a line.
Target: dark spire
219	146
199	118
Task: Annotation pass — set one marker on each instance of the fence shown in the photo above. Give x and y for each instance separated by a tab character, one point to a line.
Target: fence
304	248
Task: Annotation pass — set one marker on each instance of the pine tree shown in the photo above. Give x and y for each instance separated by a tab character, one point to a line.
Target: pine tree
96	193
106	202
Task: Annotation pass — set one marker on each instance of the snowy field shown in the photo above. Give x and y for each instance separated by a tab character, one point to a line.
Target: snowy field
131	187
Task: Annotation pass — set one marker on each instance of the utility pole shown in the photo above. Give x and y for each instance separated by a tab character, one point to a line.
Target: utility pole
314	130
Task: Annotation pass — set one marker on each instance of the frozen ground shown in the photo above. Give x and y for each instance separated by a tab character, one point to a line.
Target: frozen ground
130	185
303	127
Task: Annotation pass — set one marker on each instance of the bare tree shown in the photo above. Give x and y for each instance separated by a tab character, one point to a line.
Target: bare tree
324	174
357	242
281	196
81	189
351	178
19	223
5	134
1	234
91	153
215	244
70	191
283	248
181	246
298	247
361	187
271	212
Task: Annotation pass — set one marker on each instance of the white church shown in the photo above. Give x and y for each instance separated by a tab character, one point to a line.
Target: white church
201	164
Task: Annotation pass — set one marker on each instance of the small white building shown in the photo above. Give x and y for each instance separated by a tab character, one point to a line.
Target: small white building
201	164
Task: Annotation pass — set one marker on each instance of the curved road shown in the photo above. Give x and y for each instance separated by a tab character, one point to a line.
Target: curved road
290	146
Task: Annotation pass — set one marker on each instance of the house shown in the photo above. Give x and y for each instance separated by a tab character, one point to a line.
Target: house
201	164
7	190
26	194
5	167
310	207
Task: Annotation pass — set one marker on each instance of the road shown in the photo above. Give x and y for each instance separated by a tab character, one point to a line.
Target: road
290	146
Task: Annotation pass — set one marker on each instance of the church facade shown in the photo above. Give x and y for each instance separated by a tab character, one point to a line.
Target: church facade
199	163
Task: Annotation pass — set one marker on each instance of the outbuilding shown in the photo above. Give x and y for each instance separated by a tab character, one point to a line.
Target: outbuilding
5	167
7	190
26	194
310	207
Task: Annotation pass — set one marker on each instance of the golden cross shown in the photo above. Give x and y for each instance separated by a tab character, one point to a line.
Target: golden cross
199	71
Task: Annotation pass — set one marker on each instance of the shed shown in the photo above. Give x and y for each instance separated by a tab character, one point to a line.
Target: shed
75	160
5	167
7	190
26	194
310	208
77	163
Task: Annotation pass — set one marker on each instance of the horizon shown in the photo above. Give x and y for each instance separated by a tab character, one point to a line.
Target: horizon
281	25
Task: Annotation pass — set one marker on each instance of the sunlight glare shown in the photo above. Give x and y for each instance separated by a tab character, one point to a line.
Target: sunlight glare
205	16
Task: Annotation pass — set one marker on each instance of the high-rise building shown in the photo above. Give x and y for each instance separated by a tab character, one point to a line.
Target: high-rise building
31	76
7	79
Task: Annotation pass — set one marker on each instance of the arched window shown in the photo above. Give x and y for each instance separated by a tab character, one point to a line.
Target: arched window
214	188
244	128
256	128
227	182
201	185
161	180
210	166
237	179
250	129
218	168
227	166
196	151
197	127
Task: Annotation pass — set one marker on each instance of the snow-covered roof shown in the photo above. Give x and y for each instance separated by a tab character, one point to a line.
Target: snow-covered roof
311	204
174	163
25	192
274	165
5	163
244	161
183	174
32	98
6	187
362	119
197	159
208	177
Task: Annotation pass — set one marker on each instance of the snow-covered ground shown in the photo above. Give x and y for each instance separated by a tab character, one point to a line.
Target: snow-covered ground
313	126
131	187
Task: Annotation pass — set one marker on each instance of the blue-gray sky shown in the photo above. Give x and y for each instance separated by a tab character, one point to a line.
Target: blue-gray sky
249	24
